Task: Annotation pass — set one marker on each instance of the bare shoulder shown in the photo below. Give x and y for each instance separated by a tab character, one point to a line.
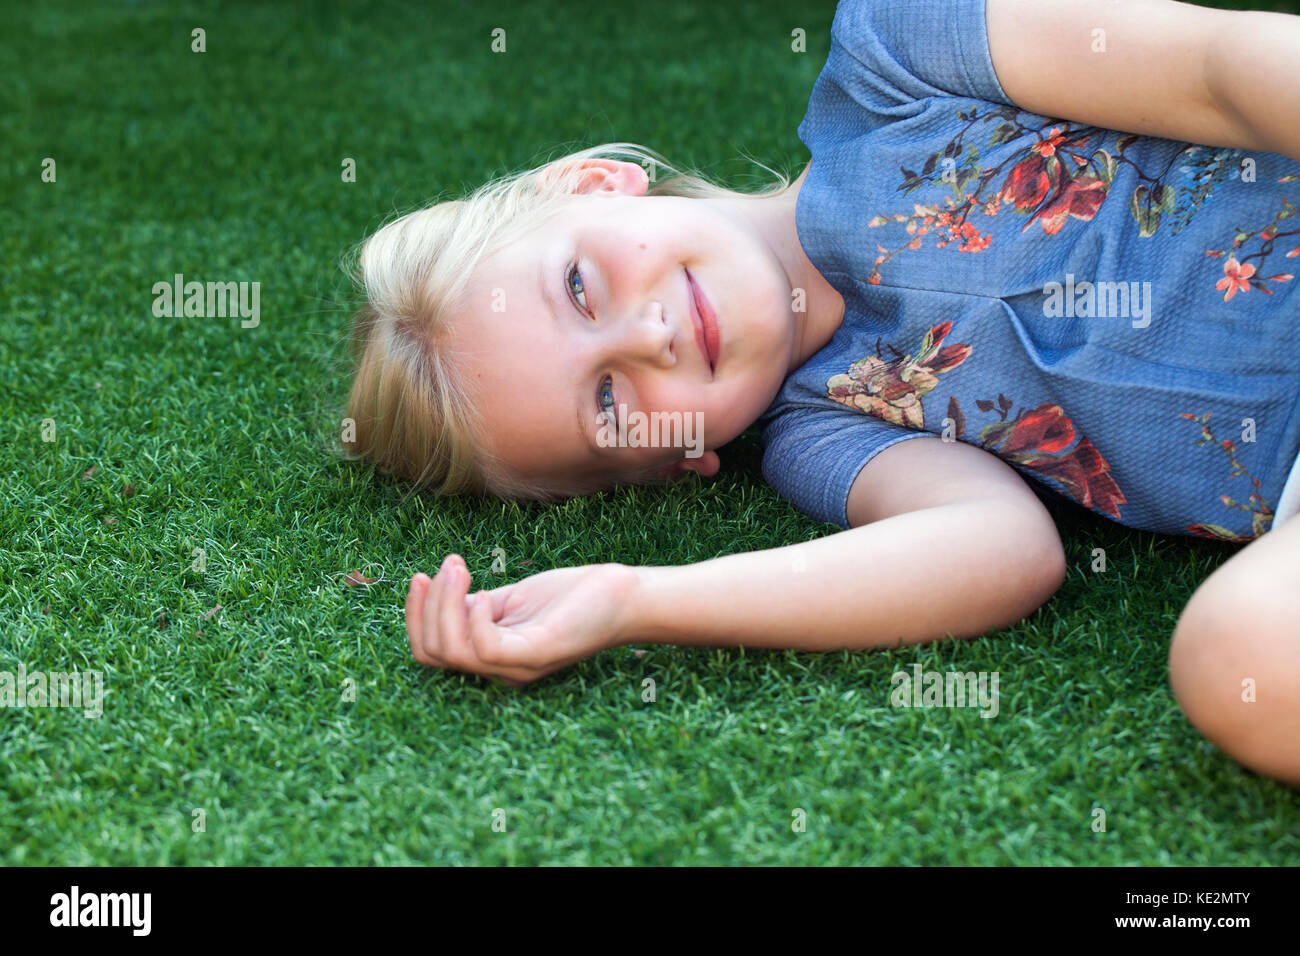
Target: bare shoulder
1142	66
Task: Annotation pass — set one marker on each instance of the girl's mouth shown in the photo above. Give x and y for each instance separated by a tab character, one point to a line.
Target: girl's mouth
706	324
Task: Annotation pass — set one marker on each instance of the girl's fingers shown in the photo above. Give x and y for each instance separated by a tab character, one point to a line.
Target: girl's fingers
496	598
452	619
446	631
430	638
488	645
484	637
414	604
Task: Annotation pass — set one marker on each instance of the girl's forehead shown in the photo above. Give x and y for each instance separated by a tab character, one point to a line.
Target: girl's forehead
557	224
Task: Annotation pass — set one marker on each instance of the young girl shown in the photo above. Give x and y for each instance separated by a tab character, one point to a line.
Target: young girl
978	280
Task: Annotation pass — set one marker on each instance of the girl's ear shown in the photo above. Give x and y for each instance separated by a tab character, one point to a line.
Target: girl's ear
707	465
599	176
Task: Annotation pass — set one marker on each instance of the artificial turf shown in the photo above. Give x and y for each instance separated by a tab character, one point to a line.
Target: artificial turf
173	434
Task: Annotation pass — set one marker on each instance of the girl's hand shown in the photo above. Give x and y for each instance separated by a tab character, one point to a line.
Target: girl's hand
519	632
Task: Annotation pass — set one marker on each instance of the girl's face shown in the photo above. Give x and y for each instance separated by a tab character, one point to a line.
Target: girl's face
591	314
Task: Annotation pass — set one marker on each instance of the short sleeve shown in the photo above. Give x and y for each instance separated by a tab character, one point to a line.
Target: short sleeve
916	49
812	456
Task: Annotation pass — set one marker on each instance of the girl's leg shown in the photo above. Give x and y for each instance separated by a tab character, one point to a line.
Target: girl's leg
1235	658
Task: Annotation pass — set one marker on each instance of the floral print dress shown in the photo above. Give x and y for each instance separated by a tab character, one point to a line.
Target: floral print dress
1114	315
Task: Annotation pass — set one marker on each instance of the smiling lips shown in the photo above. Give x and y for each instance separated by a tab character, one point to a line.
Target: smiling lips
706	324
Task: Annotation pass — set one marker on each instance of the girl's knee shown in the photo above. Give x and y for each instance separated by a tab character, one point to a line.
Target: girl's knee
1234	665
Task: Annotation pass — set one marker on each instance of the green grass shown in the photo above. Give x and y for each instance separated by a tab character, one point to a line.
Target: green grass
226	166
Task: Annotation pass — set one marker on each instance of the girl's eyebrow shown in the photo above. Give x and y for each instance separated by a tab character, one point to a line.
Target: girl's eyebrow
583	437
545	288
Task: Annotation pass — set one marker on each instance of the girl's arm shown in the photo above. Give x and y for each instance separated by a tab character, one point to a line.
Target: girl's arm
1156	67
947	540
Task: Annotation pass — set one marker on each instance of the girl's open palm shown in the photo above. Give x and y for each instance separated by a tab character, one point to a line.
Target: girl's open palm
519	632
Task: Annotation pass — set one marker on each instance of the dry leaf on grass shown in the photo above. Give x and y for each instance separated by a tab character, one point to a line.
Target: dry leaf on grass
207	615
88	473
128	491
356	579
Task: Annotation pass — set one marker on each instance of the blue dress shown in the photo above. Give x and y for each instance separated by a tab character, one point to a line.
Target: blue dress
1113	315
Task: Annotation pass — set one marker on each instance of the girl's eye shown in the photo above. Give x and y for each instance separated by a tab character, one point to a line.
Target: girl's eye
605	394
605	399
575	274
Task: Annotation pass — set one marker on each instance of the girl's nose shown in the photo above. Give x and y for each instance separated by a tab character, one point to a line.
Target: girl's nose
645	336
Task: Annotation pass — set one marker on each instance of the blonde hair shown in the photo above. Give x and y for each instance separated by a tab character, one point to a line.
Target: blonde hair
409	410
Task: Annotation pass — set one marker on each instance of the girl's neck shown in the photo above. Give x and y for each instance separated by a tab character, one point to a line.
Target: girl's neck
825	305
773	217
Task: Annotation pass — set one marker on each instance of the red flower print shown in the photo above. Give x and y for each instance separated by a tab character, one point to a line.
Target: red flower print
1050	170
1084	475
1045	429
1048	146
1027	183
1236	276
1037	440
1035	179
1080	198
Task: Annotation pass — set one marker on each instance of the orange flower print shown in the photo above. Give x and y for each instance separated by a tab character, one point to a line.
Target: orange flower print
892	388
1241	273
1235	276
1047	147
